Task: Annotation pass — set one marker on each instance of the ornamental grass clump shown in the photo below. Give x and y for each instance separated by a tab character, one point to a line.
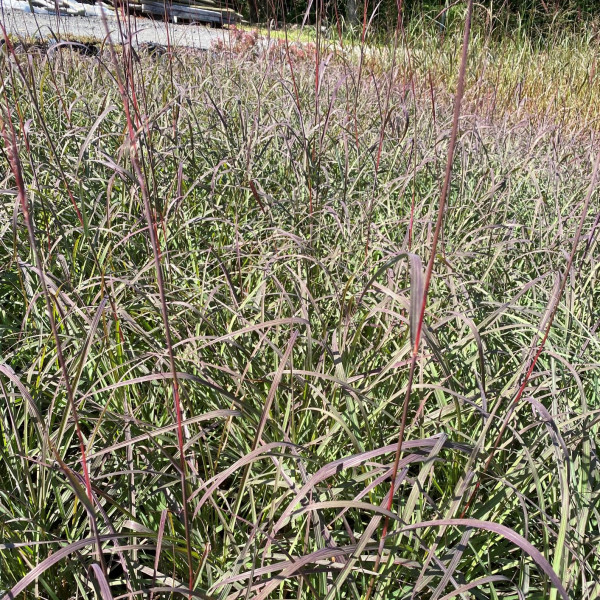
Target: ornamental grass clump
275	327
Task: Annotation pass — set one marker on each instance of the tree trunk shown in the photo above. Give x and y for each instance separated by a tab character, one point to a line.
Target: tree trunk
254	16
351	14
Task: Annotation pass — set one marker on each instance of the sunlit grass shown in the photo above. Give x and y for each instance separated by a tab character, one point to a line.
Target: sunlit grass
283	217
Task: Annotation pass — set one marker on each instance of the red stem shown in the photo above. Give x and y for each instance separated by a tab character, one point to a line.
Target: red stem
553	305
428	274
133	140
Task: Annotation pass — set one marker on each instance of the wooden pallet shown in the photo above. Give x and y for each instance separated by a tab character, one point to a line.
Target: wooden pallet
204	11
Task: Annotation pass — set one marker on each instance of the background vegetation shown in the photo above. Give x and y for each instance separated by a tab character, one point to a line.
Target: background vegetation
212	267
535	14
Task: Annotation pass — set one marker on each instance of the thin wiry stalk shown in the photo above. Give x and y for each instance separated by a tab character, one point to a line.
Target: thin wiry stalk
430	263
10	145
552	310
34	103
133	141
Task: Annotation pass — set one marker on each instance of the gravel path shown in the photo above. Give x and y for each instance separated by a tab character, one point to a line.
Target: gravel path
27	24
